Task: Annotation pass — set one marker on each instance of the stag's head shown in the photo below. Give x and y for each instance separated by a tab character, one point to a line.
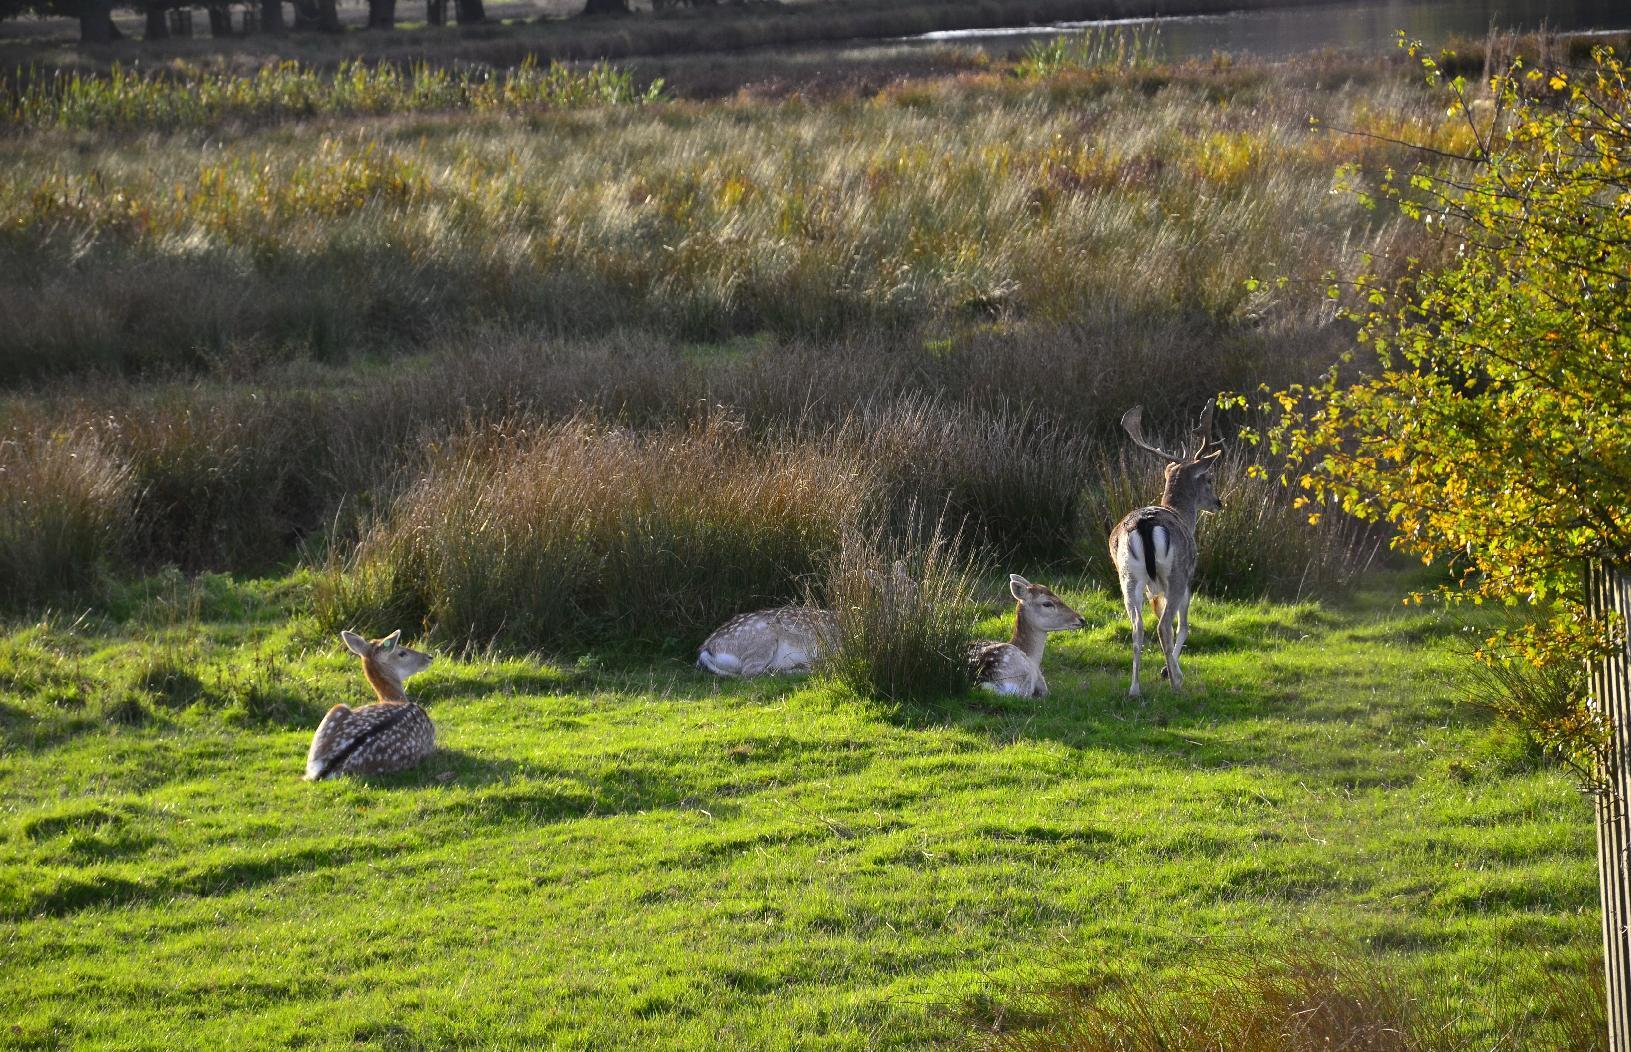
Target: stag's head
1189	476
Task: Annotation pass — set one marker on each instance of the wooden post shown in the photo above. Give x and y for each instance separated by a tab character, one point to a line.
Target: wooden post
1609	591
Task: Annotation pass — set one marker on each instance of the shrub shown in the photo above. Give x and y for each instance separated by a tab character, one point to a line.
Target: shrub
905	608
1259	546
65	502
582	530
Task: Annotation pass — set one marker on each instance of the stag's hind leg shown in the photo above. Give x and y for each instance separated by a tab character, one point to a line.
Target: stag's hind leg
1166	611
1132	595
1182	624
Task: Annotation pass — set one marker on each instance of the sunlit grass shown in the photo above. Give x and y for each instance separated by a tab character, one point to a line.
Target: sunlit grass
619	852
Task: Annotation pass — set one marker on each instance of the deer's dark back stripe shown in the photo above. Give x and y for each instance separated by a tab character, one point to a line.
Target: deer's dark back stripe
338	760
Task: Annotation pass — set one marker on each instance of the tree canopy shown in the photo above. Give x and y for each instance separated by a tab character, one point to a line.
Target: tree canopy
1486	417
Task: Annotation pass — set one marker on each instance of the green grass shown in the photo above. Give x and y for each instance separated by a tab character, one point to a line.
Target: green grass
617	851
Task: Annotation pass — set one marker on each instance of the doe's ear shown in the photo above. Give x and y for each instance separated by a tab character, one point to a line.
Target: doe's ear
357	644
1018	585
390	641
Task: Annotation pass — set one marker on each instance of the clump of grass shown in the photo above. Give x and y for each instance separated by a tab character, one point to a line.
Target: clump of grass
186	96
267	691
1261	545
127	707
65	502
1314	998
1549	707
584	530
1097	47
904	603
1285	1002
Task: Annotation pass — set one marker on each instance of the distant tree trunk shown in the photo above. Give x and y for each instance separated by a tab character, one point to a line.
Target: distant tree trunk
328	16
96	22
220	21
305	15
436	12
381	14
469	12
271	16
606	7
156	27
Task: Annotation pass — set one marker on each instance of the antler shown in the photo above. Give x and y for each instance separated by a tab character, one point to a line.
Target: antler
1132	422
1206	446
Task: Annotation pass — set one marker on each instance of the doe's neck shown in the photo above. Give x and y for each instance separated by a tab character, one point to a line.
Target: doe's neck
387	687
1028	636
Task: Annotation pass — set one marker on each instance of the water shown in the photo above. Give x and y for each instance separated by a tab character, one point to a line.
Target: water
1363	26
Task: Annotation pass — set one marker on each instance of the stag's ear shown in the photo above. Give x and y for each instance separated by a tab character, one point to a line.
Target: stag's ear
357	644
1018	585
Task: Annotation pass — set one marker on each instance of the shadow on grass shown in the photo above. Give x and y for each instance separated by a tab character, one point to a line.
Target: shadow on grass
67	892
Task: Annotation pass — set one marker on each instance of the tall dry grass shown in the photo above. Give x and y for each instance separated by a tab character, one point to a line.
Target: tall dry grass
65	503
1093	200
583	530
246	475
188	96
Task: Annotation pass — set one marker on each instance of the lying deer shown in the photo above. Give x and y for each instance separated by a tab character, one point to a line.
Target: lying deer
1154	548
1015	667
392	734
781	639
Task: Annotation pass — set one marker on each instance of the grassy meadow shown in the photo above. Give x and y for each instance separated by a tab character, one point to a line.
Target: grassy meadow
617	852
555	368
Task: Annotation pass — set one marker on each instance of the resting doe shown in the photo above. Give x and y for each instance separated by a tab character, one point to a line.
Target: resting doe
1015	667
781	639
392	734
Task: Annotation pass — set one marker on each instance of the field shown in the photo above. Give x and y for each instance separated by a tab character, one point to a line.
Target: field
627	853
555	370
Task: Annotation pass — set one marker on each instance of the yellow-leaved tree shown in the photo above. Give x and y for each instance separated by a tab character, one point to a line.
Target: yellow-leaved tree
1486	416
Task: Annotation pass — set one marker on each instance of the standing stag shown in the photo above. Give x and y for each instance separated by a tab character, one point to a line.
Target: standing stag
1154	548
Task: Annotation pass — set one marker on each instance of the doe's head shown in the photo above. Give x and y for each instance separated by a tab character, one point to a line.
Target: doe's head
388	654
1040	607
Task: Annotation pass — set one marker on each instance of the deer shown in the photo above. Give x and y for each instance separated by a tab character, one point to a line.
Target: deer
392	734
780	639
1015	667
1154	548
